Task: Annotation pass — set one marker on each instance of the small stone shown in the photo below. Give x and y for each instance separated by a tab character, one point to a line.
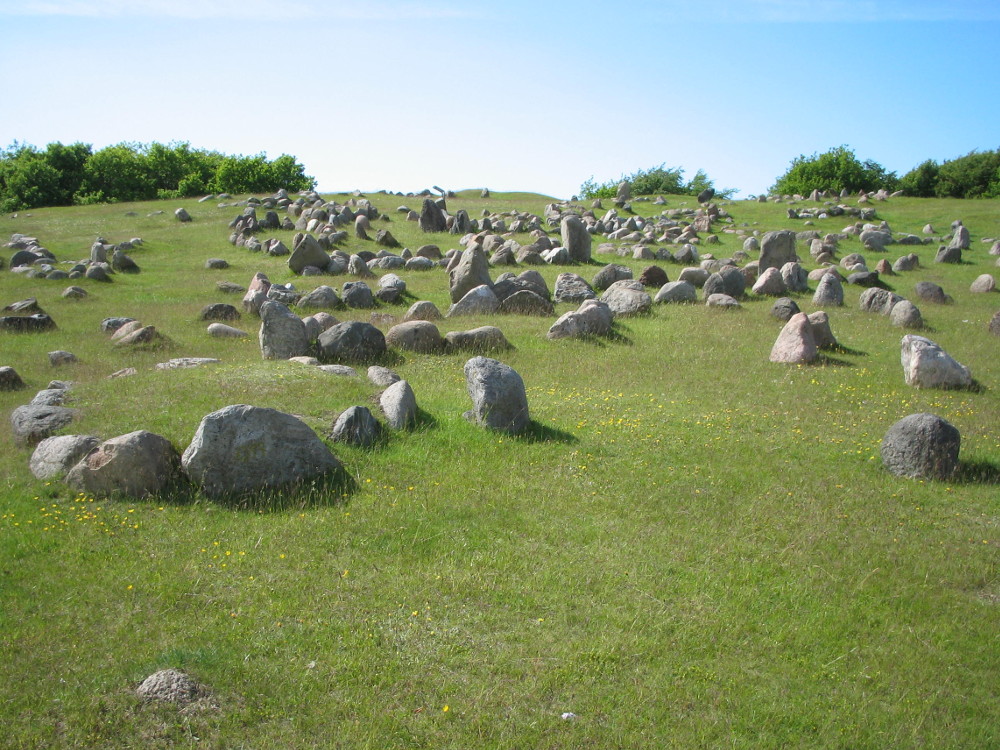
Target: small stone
60	358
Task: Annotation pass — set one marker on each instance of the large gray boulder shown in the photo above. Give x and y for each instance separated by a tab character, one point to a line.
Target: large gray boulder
499	399
139	464
796	343
323	297
876	239
399	405
415	336
477	301
10	380
928	291
471	271
876	300
921	446
357	295
829	291
983	284
777	249
55	456
927	365
627	297
906	315
240	449
609	275
308	252
282	332
796	277
350	341
575	238
592	318
422	310
482	339
432	218
571	287
526	302
35	422
674	292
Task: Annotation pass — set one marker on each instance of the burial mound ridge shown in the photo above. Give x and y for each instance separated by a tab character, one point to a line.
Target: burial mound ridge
242	450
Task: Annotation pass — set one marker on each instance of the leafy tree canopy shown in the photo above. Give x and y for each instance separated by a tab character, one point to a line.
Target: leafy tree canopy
62	175
837	169
659	180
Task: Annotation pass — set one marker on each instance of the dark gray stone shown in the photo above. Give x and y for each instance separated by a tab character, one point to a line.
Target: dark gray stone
921	446
351	341
240	450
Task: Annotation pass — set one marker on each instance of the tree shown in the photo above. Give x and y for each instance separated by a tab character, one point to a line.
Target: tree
837	169
118	173
921	181
658	180
975	175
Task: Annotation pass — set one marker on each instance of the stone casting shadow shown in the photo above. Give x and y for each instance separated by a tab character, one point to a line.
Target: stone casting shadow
536	432
977	472
336	488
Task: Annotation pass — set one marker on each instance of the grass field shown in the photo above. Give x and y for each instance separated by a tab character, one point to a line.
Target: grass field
692	547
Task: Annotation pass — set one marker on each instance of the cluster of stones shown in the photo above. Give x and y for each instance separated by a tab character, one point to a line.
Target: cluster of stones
240	450
319	339
106	259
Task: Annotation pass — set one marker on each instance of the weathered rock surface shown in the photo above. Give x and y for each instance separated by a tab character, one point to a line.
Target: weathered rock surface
477	301
399	404
592	318
415	336
10	380
923	446
796	343
675	292
571	287
499	399
482	339
627	297
357	426
282	332
471	271
575	238
240	449
54	456
777	249
351	341
139	464
927	365
35	422
172	686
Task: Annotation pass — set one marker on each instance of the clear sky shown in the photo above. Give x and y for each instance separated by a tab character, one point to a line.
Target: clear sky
539	96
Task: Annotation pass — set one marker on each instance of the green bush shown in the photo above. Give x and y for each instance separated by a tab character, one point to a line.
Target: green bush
837	169
61	175
658	180
921	181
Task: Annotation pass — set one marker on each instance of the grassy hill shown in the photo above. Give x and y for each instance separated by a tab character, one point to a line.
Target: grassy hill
692	547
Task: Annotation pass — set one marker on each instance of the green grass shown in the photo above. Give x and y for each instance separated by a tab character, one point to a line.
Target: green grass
692	547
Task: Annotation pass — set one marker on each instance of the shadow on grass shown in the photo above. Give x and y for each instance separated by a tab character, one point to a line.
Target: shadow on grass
334	488
537	432
841	349
977	472
825	360
615	336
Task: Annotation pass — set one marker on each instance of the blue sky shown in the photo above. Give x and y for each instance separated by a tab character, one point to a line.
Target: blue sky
540	96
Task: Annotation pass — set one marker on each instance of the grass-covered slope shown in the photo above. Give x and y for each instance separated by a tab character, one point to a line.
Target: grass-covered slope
692	546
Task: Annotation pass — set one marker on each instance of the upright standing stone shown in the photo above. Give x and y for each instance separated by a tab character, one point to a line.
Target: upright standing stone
777	249
576	239
282	332
499	399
